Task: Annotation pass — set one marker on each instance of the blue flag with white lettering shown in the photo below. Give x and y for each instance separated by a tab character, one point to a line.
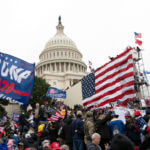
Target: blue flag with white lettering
16	79
55	93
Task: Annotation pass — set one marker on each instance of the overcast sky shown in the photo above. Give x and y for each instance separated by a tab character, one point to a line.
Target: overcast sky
100	28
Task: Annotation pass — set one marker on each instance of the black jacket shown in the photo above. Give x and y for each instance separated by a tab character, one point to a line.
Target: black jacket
102	128
66	131
133	134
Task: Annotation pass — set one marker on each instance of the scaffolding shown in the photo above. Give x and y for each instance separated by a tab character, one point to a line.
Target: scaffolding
141	81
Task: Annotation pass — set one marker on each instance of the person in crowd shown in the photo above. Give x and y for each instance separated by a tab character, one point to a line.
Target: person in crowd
46	110
140	123
146	143
30	118
116	126
64	147
67	133
78	132
121	142
101	127
22	145
88	127
41	113
23	122
139	120
147	116
94	145
53	130
36	115
60	125
132	132
46	145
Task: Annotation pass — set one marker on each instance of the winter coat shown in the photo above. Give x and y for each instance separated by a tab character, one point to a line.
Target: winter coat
88	127
116	123
66	131
77	129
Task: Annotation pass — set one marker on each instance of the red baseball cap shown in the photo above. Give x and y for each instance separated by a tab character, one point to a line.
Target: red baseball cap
137	113
55	146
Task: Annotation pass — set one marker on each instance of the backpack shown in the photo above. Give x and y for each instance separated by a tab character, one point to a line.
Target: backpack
116	130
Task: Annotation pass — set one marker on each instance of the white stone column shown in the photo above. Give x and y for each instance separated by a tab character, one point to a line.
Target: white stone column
64	67
46	67
52	66
55	67
69	67
60	66
72	67
78	67
75	67
49	67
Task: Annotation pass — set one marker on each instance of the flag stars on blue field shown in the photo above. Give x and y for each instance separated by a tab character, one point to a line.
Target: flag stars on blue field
88	86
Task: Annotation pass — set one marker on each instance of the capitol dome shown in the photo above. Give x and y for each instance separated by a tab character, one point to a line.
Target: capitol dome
60	39
61	62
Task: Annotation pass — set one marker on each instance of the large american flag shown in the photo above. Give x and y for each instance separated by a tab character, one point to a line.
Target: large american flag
112	82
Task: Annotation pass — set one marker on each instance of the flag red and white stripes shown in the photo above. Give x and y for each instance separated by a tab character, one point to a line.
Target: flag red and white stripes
113	81
55	116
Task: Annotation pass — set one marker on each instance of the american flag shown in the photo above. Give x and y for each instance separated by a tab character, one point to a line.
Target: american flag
109	83
55	115
137	35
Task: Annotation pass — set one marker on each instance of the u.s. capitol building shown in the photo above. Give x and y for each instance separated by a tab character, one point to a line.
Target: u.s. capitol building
61	62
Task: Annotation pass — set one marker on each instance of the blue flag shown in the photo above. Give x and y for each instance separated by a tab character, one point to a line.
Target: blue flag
147	72
55	93
16	79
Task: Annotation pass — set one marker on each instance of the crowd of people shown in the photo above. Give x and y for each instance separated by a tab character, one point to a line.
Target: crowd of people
39	128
